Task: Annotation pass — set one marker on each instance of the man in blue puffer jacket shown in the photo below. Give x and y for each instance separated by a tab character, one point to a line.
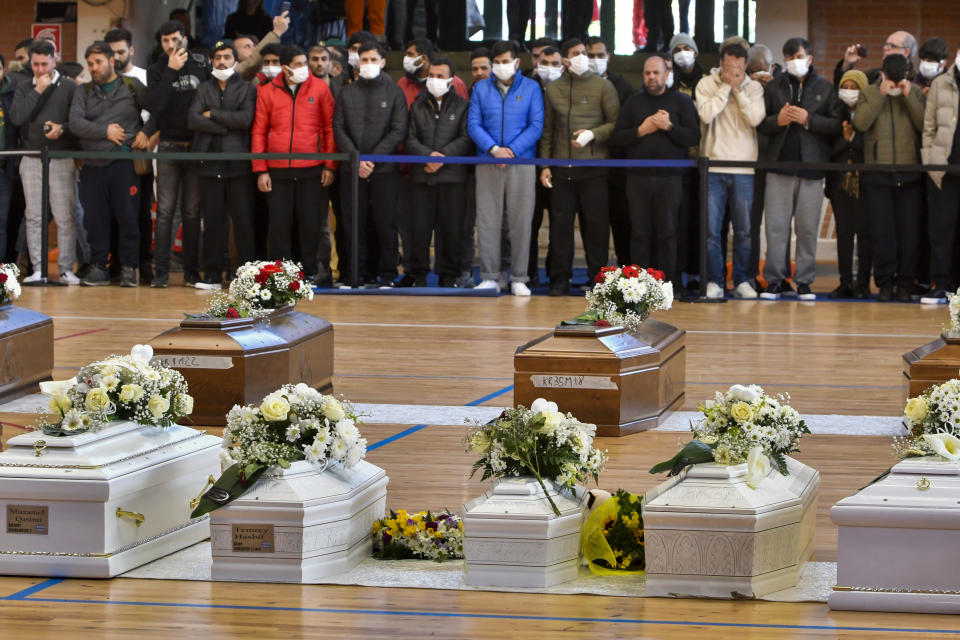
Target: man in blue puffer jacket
505	121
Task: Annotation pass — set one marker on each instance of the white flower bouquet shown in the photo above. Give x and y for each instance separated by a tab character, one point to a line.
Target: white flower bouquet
953	305
626	296
117	388
9	283
933	420
270	285
742	425
295	422
539	441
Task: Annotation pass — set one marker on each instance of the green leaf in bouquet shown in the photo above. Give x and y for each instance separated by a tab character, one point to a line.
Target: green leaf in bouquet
284	464
232	484
693	452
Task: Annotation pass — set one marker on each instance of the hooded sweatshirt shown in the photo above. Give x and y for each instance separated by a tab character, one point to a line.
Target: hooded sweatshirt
729	120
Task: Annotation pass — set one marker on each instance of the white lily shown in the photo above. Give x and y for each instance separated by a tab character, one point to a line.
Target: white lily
142	353
946	445
57	387
541	405
746	394
758	466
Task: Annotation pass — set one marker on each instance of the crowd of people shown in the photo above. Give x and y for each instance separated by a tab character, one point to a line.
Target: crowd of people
252	94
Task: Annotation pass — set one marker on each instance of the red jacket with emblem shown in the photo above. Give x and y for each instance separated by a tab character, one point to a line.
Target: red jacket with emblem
283	124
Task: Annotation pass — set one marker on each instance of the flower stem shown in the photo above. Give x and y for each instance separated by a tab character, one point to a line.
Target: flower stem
546	492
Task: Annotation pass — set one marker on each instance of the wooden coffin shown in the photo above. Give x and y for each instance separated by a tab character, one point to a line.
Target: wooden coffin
621	381
933	363
239	361
26	351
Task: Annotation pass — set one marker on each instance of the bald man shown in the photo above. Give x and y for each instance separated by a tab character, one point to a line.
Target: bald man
901	42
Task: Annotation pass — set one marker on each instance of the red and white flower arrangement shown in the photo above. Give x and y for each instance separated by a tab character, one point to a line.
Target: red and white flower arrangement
626	296
9	283
270	285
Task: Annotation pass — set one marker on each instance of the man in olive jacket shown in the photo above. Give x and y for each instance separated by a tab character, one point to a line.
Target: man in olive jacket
890	115
220	117
438	127
580	110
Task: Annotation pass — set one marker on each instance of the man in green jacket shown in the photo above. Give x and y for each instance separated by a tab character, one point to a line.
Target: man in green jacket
580	110
890	115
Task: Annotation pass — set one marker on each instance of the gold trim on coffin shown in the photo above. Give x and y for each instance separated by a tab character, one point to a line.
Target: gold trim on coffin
62	554
935	592
29	465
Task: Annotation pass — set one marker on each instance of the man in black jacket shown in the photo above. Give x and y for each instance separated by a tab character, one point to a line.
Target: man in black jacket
220	116
656	124
371	118
172	83
801	123
9	133
438	127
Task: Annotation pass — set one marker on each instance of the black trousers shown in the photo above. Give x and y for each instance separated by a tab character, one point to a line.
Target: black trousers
438	213
756	219
304	200
577	15
658	15
432	7
376	216
541	203
853	220
469	224
145	219
325	257
589	197
942	221
111	193
689	233
894	230
219	197
518	17
619	214
654	212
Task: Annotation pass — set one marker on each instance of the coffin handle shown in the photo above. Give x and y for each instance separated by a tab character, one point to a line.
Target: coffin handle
139	517
194	502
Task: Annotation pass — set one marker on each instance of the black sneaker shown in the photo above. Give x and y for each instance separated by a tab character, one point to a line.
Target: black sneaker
772	292
561	288
406	280
128	276
787	290
323	282
886	293
190	278
210	282
842	292
83	270
937	296
96	277
862	291
146	274
804	292
160	281
447	282
420	281
904	294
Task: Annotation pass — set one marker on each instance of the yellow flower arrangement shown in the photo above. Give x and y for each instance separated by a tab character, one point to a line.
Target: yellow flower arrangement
422	535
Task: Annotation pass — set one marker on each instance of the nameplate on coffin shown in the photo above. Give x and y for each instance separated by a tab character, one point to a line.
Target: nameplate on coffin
253	537
174	361
27	518
572	382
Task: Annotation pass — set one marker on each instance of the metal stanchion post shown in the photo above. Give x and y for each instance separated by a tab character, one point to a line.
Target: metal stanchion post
703	169
44	281
354	211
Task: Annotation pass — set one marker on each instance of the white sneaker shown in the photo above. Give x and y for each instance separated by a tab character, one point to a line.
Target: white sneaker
519	289
33	277
744	291
488	284
714	290
68	277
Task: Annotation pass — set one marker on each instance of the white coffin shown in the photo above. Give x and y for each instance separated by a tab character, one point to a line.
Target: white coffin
512	537
299	524
710	535
62	497
898	543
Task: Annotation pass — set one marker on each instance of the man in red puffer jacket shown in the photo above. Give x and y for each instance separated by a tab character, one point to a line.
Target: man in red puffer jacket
295	115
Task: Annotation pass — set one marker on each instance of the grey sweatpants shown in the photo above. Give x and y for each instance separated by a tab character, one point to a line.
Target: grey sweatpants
508	191
801	200
63	193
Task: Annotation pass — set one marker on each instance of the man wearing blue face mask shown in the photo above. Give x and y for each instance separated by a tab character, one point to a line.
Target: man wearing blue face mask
801	124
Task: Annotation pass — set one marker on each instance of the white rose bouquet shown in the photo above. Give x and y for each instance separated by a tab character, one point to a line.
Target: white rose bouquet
933	420
626	296
9	283
953	306
742	425
117	388
270	285
295	422
539	441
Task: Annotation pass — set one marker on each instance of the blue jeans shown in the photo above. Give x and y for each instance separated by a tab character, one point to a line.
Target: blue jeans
735	190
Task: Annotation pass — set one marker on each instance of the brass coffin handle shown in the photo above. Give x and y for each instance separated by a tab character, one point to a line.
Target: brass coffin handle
196	501
39	446
139	517
923	484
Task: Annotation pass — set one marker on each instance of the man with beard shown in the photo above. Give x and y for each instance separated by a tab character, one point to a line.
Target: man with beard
172	84
105	116
220	117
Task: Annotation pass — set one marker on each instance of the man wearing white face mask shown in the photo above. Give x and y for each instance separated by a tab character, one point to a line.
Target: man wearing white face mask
505	121
295	115
438	127
220	116
580	111
801	124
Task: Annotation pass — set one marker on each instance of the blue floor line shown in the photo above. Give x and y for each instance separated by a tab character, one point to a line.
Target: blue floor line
415	428
495	616
22	594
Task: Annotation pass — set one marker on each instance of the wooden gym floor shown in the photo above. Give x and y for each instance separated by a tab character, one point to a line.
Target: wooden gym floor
833	358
